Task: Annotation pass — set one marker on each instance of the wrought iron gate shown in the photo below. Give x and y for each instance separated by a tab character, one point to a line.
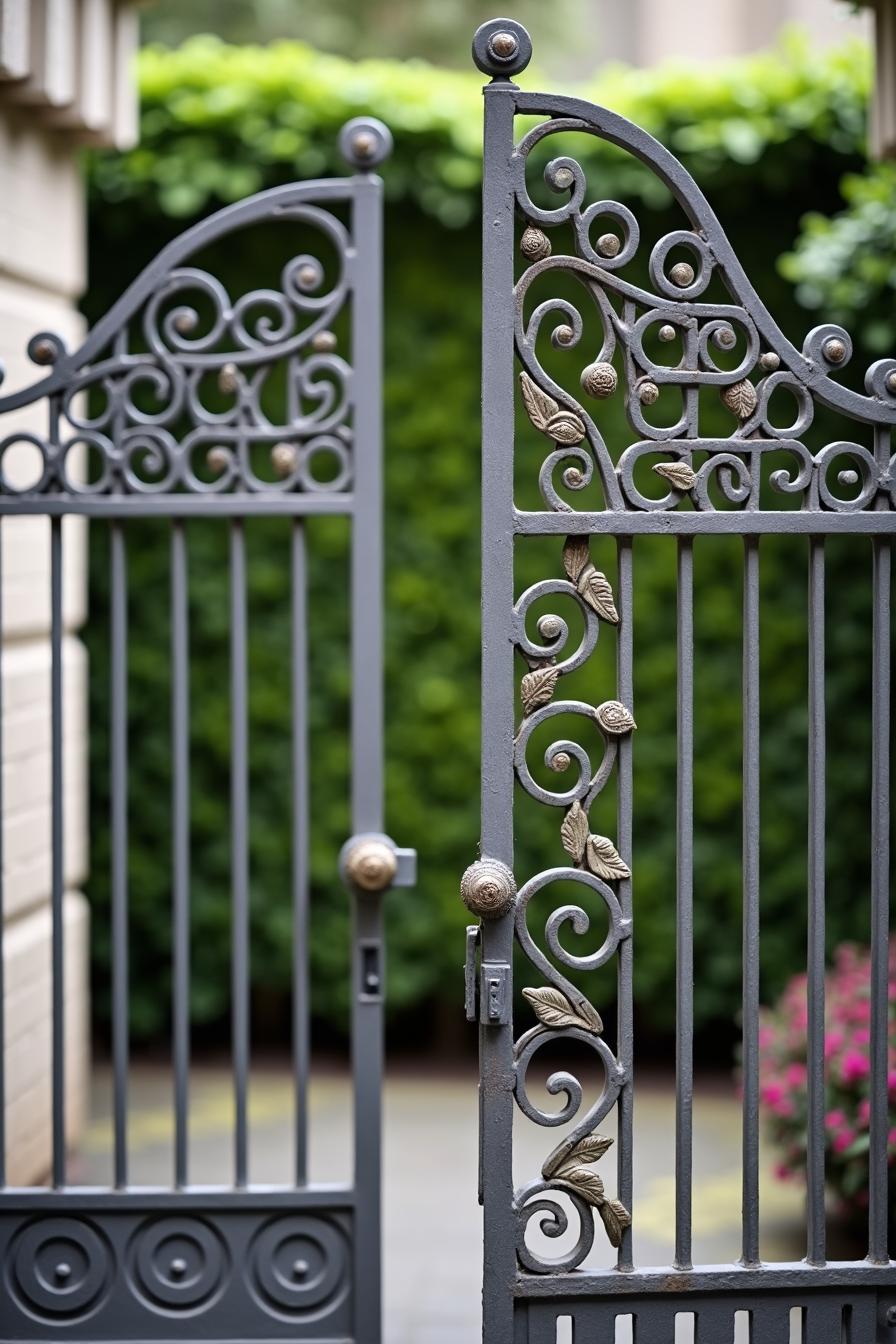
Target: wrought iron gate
713	487
186	403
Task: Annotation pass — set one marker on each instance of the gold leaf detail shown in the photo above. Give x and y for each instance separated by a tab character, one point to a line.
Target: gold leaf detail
603	859
679	473
575	556
564	427
595	589
536	688
553	1009
584	1182
574	831
592	1147
616	1218
539	406
740	398
614	718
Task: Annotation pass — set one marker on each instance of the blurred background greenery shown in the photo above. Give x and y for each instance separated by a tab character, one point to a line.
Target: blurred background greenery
777	142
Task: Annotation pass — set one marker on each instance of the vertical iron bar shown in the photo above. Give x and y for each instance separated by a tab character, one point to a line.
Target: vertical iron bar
497	781
367	744
878	1172
750	861
180	799
2	900
58	855
684	963
239	822
625	1044
815	958
301	1044
118	792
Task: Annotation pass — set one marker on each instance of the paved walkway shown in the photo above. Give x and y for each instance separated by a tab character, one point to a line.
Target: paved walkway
432	1230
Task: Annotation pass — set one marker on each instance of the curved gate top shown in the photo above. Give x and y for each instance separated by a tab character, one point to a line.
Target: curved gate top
696	329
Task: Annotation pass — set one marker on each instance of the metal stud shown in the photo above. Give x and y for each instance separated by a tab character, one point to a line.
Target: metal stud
307	277
608	245
891	383
561	762
323	342
534	244
599	380
648	393
834	351
770	361
563	335
667	332
178	1267
185	321
218	458
228	378
550	627
504	45
43	352
848	476
682	274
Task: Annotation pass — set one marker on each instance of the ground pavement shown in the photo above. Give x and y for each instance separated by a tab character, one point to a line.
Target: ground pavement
431	1221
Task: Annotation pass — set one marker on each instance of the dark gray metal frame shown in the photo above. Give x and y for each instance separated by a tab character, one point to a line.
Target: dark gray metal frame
524	1293
240	1262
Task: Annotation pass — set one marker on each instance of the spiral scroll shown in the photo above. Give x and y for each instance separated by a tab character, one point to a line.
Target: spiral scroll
562	1010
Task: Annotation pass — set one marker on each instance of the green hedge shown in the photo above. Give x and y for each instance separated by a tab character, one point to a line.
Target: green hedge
767	138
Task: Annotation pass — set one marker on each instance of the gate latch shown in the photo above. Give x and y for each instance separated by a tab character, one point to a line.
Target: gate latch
486	995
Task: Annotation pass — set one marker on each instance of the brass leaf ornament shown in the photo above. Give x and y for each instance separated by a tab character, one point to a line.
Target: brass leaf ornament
592	586
678	473
537	687
602	857
740	399
616	1218
553	1009
574	832
546	414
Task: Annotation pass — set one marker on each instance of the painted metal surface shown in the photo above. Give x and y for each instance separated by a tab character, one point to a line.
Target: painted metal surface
724	344
130	433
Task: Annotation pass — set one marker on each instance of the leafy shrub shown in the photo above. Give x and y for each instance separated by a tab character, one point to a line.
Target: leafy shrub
782	1063
766	138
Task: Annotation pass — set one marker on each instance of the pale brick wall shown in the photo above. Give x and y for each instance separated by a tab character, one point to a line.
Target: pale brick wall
64	80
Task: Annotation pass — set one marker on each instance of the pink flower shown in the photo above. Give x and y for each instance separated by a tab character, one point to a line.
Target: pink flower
773	1094
766	1037
843	1140
864	1112
891	1082
854	1067
796	1075
783	1172
832	1043
834	1120
861	1036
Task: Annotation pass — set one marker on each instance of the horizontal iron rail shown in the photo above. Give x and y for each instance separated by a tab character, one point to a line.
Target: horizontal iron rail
797	1275
179	506
85	1199
736	522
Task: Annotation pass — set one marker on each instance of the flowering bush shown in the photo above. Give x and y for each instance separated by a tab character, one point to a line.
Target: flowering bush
782	1063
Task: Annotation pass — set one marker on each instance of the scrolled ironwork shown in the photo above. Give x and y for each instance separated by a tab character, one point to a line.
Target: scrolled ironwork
184	387
760	363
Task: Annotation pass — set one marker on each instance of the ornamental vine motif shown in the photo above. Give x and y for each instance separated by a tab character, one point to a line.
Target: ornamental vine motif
561	1009
734	347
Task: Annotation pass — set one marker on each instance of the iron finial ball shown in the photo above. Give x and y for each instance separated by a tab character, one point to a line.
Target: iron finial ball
834	351
770	361
608	245
891	383
44	352
501	48
599	379
284	458
323	343
666	332
534	244
648	393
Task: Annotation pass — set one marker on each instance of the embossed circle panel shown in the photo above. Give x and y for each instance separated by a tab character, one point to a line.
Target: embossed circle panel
299	1265
59	1268
178	1264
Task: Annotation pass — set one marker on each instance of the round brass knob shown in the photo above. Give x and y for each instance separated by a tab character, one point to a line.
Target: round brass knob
371	865
488	888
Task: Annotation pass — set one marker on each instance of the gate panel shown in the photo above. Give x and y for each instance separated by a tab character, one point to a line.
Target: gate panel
758	480
186	403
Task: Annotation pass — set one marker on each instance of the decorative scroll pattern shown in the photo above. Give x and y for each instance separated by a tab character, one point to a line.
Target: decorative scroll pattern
185	387
562	1011
733	349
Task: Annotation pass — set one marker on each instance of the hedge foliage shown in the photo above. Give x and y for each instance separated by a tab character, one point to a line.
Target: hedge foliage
767	138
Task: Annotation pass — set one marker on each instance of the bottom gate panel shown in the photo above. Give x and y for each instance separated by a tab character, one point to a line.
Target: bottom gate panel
146	1270
767	1318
